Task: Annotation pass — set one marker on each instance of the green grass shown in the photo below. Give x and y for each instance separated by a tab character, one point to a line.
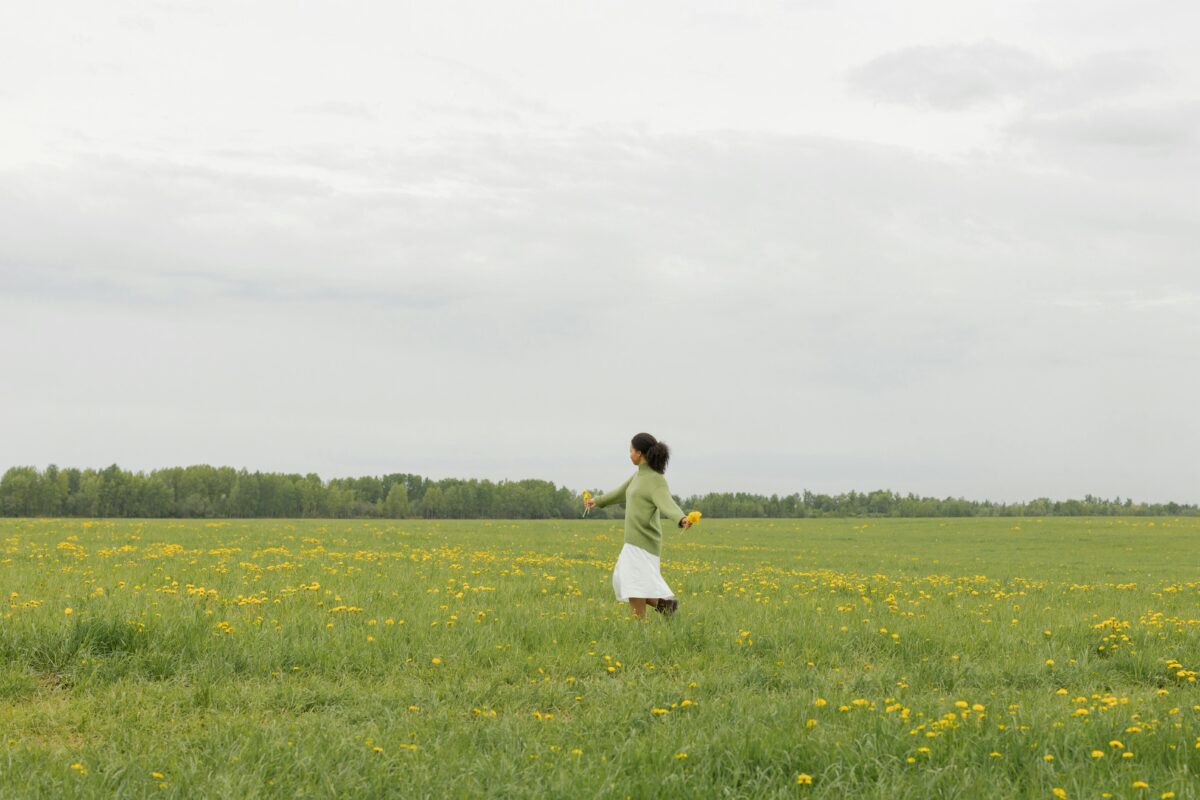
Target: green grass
266	658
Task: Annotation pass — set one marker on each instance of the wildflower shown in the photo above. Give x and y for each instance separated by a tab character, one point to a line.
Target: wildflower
1097	754
1059	792
693	517
68	611
1047	757
804	779
586	496
681	756
1140	785
435	660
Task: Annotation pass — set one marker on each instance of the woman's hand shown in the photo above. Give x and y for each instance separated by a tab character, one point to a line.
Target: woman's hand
685	523
589	503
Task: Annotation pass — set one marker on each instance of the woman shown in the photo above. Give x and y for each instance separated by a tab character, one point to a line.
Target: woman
636	576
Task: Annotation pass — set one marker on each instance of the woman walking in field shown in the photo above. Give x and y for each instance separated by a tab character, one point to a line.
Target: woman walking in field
636	576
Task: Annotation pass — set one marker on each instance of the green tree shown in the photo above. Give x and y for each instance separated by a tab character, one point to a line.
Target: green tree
396	505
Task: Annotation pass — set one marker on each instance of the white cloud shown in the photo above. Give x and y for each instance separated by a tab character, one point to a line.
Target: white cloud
950	77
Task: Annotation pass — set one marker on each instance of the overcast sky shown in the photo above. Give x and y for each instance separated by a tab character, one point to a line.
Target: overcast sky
939	247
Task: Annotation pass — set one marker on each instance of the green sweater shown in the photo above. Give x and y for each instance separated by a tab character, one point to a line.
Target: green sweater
645	495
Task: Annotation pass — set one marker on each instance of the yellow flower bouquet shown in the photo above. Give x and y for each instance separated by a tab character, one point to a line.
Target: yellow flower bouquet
586	496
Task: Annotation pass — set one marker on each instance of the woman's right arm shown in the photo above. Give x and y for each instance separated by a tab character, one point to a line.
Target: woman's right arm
616	495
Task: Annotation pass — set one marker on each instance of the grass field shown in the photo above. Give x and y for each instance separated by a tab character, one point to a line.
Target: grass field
809	658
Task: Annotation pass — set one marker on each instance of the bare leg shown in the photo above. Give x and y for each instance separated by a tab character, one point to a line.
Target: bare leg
637	605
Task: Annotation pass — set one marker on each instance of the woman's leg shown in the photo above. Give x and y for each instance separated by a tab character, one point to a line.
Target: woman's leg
637	605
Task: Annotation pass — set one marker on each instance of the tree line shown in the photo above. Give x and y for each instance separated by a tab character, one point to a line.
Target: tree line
205	491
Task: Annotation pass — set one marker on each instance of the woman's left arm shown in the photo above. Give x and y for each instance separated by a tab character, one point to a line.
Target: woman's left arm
666	504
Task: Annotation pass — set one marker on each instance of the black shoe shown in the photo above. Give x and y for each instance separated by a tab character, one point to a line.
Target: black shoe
667	606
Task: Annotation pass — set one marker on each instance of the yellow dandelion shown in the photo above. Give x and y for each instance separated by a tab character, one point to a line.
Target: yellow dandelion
1059	792
804	779
681	756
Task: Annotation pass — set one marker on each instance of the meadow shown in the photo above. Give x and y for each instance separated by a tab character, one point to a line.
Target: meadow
1009	657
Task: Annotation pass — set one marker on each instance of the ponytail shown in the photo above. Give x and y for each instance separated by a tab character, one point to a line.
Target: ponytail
657	456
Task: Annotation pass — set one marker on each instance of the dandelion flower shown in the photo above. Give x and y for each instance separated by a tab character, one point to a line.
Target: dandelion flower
804	779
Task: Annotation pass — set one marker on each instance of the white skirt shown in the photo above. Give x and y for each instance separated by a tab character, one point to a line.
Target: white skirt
637	575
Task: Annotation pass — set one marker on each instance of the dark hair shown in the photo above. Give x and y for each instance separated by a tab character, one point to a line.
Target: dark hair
657	453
